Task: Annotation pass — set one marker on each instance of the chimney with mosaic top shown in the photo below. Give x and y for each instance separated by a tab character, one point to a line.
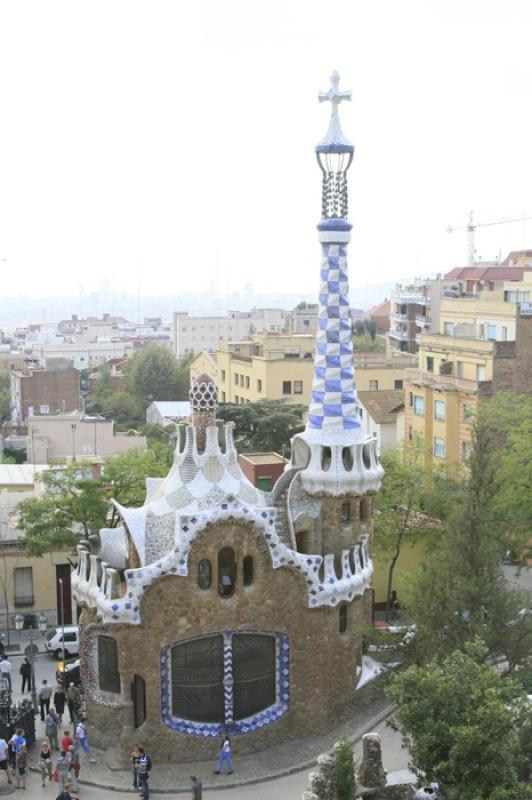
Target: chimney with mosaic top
332	453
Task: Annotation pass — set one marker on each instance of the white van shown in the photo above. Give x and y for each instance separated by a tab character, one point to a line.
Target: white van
54	641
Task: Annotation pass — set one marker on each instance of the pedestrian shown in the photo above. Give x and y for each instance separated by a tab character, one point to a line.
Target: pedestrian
45	762
59	702
66	793
25	671
62	766
44	694
20	764
82	740
73	760
143	773
66	741
52	725
197	788
74	701
225	757
16	742
4	758
135	755
5	671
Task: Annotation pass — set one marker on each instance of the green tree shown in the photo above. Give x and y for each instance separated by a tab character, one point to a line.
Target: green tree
370	327
460	592
345	771
5	397
509	419
71	508
152	374
460	721
75	505
183	377
404	506
266	425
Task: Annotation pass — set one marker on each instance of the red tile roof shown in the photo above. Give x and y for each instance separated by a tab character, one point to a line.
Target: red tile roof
499	273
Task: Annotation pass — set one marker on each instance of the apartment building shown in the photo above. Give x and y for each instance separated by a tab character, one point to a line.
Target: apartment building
28	585
486	302
410	315
76	437
281	366
83	354
454	375
192	334
44	391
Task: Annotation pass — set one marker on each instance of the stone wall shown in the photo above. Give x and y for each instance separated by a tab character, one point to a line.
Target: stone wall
323	661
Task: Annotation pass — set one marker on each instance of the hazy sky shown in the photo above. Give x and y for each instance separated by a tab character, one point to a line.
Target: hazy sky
174	140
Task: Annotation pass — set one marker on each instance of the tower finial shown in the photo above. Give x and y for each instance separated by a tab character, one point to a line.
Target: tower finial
334	141
334	154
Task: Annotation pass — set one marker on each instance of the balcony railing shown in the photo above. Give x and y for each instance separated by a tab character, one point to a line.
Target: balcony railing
402	336
24	600
423	322
399	317
410	298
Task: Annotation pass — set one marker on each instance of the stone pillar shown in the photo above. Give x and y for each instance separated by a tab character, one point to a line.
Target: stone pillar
371	772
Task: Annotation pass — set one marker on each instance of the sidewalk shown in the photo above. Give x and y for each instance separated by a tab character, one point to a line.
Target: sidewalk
285	759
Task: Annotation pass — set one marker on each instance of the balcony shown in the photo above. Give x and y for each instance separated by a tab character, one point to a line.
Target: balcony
402	336
406	298
399	317
423	322
446	382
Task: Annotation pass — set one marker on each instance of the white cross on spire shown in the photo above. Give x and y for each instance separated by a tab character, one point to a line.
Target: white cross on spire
335	97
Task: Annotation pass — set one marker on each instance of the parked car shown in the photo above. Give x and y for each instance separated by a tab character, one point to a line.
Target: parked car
68	672
54	641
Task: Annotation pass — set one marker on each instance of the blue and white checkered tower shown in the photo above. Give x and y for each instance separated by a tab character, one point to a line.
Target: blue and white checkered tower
338	461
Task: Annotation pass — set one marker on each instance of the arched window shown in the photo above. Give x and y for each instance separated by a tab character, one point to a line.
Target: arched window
347	458
203	669
247	570
108	675
326	457
345	513
204	574
342	618
226	572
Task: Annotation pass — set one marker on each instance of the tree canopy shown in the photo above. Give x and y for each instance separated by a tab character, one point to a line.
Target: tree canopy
405	505
266	425
461	720
5	397
460	591
76	505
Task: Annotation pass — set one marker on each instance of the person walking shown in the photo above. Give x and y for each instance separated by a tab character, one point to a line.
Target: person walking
59	702
66	741
197	788
44	694
225	757
21	762
45	762
135	755
143	773
62	766
25	671
5	671
83	741
75	766
4	758
52	725
73	696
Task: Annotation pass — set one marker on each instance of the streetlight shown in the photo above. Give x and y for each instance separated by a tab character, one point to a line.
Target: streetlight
73	426
42	623
61	606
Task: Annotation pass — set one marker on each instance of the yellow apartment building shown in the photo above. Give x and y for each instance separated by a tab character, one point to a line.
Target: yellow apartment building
282	367
454	374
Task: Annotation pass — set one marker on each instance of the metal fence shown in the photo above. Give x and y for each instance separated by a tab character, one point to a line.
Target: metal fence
13	716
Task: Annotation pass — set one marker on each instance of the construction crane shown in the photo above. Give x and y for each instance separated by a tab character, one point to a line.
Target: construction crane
471	228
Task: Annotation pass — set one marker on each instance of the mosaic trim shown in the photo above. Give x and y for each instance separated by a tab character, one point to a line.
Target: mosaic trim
333	405
328	591
88	654
242	726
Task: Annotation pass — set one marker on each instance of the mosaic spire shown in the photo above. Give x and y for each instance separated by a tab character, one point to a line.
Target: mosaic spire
333	413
